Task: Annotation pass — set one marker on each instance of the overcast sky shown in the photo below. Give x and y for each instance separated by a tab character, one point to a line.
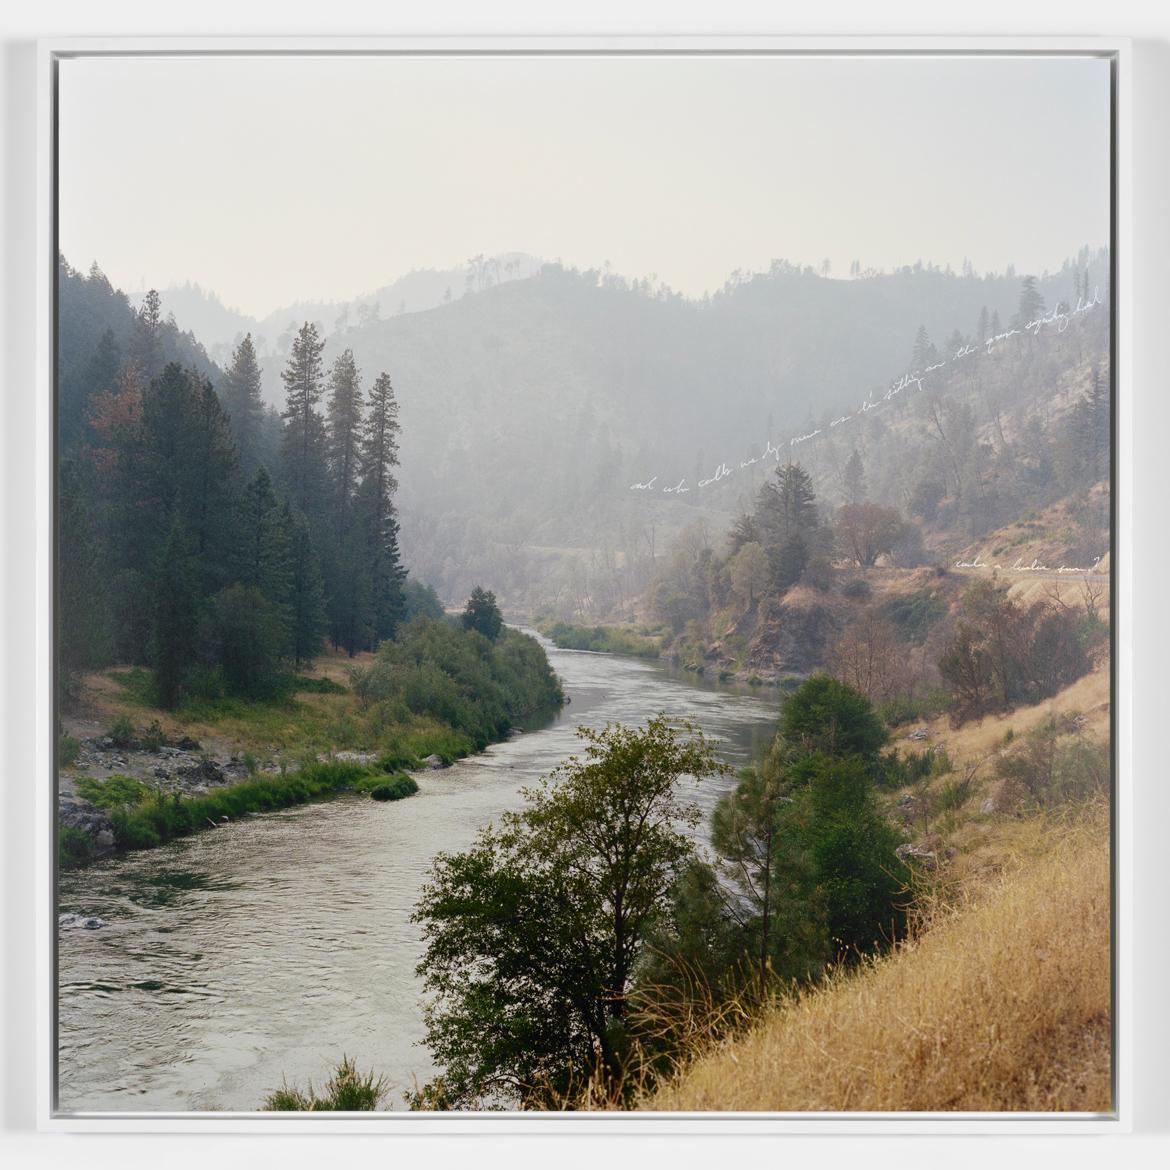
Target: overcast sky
277	180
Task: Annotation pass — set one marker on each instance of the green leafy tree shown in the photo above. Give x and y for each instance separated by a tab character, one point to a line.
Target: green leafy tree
866	531
824	715
749	572
483	614
533	934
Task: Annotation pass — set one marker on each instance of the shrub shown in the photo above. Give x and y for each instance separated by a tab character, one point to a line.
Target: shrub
73	847
68	749
857	589
318	686
480	689
914	614
121	732
955	793
346	1091
396	789
153	737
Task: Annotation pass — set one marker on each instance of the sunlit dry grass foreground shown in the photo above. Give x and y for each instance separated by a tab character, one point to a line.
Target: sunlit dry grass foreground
1001	1005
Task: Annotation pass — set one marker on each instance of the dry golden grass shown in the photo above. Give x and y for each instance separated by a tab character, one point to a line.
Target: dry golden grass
979	740
1003	1004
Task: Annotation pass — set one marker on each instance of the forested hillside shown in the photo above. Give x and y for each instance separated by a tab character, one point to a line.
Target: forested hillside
199	533
535	404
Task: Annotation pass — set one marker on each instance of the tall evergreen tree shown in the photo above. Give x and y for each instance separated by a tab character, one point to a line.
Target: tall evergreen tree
175	614
1031	303
853	478
264	540
924	353
304	435
188	472
379	455
788	506
344	435
306	597
147	352
240	394
83	634
984	325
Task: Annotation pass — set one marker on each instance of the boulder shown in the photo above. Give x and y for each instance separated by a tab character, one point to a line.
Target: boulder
917	855
434	763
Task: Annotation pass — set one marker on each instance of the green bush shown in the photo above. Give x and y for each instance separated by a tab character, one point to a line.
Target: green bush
914	614
143	817
396	789
112	793
68	748
121	732
479	688
954	794
604	639
153	737
346	1091
318	686
73	847
857	590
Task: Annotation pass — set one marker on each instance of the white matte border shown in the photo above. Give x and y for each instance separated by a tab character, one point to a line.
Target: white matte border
48	52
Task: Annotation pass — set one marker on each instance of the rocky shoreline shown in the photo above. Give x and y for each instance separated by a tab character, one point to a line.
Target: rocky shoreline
182	768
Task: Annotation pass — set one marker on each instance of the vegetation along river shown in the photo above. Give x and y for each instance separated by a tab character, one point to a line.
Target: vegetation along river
266	949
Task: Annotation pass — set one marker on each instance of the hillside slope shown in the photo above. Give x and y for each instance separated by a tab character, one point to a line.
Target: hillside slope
1001	1006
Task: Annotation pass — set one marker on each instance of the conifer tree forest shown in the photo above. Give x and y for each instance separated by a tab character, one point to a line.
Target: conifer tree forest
201	534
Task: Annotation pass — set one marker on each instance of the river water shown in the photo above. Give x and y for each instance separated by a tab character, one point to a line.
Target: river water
264	950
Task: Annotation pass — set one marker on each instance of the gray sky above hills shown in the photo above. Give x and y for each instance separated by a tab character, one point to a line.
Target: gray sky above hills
273	180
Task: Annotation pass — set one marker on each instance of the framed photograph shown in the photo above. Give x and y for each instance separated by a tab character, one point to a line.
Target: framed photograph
588	585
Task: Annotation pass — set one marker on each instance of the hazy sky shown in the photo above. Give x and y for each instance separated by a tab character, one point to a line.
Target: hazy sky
277	180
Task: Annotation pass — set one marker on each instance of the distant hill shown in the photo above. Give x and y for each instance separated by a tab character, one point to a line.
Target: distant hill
220	328
534	395
88	306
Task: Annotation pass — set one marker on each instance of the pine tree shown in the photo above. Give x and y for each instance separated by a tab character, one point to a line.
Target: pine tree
788	506
379	455
853	478
147	352
346	567
175	617
304	435
1031	303
306	597
984	325
83	632
996	327
924	353
344	435
240	394
264	540
187	471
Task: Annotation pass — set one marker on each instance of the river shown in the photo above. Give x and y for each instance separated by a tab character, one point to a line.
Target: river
264	950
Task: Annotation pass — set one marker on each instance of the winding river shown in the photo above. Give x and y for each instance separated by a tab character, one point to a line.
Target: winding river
265	949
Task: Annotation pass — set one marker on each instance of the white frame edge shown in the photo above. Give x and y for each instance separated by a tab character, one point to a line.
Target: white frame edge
1121	1121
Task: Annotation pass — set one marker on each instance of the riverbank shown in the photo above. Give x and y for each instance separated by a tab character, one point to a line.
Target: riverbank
132	775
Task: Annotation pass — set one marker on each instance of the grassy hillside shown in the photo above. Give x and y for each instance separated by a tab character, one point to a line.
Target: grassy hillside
1001	1003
